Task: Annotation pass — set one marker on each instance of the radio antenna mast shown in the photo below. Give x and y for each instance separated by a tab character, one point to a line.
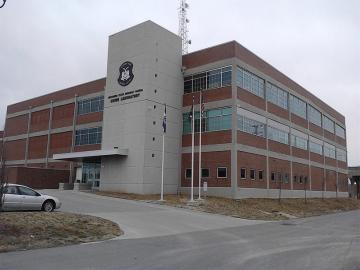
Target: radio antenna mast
183	26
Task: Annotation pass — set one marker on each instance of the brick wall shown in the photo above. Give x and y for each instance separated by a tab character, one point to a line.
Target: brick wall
279	166
255	162
63	116
210	160
37	178
37	147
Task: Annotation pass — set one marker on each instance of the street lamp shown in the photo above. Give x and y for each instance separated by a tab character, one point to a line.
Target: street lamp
3	4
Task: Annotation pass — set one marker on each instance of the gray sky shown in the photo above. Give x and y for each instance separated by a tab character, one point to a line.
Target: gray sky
50	45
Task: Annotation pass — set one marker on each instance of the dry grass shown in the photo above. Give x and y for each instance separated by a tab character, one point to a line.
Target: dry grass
30	230
264	209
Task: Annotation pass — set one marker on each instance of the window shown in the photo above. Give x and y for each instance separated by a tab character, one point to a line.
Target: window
315	148
252	174
187	173
205	172
188	84
90	105
88	136
221	172
11	190
300	179
213	120
278	135
299	142
243	173
305	179
199	82
295	178
329	125
279	177
340	131
27	191
251	126
273	176
250	82
329	150
260	175
298	106
314	115
341	155
277	96
207	80
286	178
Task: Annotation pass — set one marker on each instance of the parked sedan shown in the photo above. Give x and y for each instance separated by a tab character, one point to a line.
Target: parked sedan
19	197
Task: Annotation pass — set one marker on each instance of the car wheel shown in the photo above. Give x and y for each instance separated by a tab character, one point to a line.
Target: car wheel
48	206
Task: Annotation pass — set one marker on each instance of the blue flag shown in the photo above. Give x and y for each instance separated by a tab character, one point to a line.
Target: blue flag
164	121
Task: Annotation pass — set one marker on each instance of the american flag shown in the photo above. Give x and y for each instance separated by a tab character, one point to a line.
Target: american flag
191	110
202	106
164	120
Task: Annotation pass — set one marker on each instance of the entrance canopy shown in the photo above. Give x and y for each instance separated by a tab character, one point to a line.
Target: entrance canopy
91	156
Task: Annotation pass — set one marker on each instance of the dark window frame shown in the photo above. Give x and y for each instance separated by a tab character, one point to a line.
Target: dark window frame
217	173
241	173
252	177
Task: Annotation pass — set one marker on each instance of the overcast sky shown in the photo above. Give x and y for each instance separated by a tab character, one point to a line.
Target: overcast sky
53	44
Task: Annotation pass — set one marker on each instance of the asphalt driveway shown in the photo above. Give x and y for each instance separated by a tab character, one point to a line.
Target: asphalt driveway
141	219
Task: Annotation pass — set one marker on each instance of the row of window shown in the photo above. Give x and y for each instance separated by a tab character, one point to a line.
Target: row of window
221	172
257	128
207	80
299	142
284	178
250	82
88	136
213	120
90	105
256	85
277	96
253	175
281	98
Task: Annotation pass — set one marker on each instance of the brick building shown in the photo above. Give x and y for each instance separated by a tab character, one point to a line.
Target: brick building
261	130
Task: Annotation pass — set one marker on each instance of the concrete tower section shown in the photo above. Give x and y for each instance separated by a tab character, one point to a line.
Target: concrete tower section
143	74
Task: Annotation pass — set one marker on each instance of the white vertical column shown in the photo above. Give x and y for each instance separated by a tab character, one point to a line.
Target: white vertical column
162	168
192	152
200	146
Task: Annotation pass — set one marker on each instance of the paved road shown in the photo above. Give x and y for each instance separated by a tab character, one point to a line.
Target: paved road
327	242
141	219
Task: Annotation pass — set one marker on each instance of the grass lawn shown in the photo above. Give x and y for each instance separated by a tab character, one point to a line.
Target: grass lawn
263	209
30	230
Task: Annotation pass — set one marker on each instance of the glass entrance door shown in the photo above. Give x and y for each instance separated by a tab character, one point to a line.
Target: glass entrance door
91	174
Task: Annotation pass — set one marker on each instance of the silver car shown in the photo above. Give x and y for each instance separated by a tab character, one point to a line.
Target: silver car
19	198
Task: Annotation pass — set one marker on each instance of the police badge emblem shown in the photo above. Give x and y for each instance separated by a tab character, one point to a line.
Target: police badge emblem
126	73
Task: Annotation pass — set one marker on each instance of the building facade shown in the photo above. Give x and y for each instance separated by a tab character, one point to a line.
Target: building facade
261	131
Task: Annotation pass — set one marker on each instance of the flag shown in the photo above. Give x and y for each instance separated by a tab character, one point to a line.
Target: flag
191	110
202	107
164	120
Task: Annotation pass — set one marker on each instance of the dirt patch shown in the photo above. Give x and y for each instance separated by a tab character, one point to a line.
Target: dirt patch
263	209
31	230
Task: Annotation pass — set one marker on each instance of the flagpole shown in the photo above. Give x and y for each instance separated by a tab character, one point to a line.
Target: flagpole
192	152
163	156
162	168
200	146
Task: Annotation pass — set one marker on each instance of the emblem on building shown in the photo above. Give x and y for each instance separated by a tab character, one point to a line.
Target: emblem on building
126	73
